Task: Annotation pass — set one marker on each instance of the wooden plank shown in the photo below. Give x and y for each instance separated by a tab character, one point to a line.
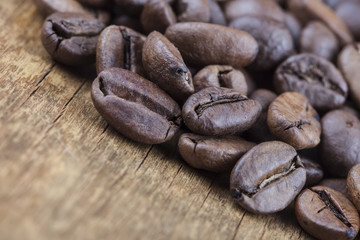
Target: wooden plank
65	174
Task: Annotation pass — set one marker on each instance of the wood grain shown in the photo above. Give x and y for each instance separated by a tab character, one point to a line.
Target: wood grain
65	174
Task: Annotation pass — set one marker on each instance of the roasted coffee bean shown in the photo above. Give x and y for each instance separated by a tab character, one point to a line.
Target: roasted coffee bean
274	39
259	132
219	111
326	214
293	120
318	39
314	172
314	77
309	10
157	15
129	22
216	14
121	47
262	8
48	7
294	27
165	66
71	38
96	3
338	184
348	11
203	44
217	154
193	10
340	142
267	178
220	76
348	62
136	107
353	185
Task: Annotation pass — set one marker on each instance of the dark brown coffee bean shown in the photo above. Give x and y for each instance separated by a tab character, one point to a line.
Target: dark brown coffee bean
353	185
96	3
216	14
314	172
217	154
309	10
340	142
120	47
338	184
129	22
318	39
294	27
71	38
267	178
165	66
274	39
193	11
314	77
48	7
293	120
136	107
260	132
219	111
260	8
326	214
348	62
203	44
157	15
220	76
348	11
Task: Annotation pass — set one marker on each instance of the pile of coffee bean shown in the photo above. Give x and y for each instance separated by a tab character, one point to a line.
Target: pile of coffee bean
266	89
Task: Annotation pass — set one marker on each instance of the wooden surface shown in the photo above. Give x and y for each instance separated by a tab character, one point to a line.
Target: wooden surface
65	174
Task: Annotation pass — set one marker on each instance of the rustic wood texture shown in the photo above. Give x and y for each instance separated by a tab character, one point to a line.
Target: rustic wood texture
65	174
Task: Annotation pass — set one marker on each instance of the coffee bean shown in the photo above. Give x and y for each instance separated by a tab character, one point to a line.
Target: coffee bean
353	185
318	39
310	10
293	120
217	154
71	38
129	22
348	11
267	178
96	3
348	62
120	47
259	132
203	44
326	214
338	184
135	107
193	11
216	14
263	8
340	142
294	27
314	77
157	15
314	172
48	7
165	66
220	76
219	111
274	39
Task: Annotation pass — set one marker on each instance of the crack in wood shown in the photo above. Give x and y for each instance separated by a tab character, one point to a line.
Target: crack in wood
36	87
238	226
172	181
143	160
209	191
